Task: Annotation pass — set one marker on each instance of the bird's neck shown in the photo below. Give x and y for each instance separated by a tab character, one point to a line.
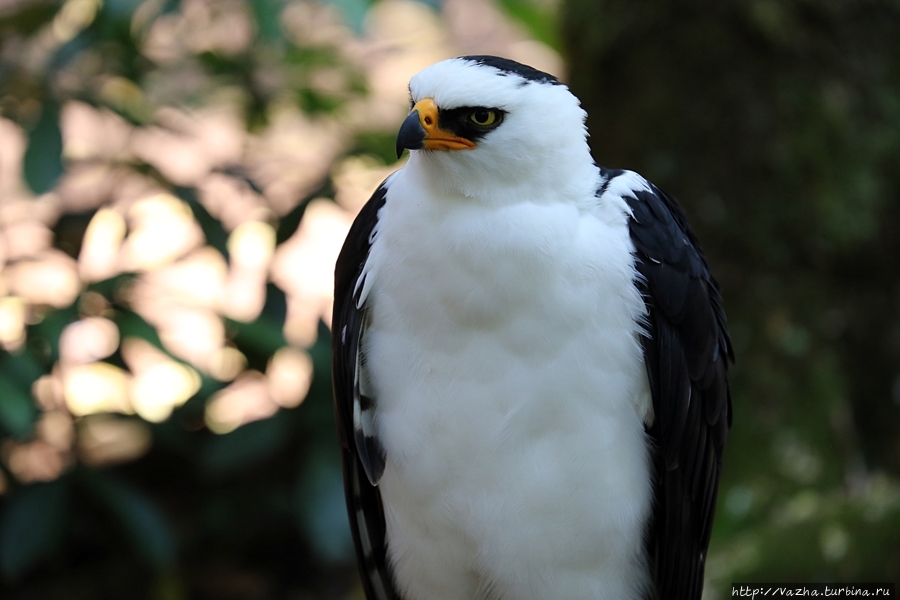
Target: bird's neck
573	178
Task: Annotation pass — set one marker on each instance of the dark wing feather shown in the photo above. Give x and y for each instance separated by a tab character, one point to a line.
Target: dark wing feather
686	351
361	454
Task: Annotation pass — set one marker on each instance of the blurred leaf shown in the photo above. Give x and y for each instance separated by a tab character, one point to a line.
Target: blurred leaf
380	144
132	324
124	97
267	14
539	19
111	32
71	49
321	354
313	102
288	224
17	374
32	526
250	444
109	287
21	368
303	62
215	233
48	330
17	410
121	9
309	57
42	164
264	336
222	64
28	17
275	307
142	521
320	506
69	231
354	12
240	172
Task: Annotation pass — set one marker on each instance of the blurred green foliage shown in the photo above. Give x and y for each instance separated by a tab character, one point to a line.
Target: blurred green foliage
777	125
255	513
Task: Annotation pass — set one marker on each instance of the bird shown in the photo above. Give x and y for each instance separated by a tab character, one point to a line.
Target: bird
530	359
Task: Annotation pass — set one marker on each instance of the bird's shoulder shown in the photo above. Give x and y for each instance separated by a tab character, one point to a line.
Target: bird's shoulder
675	276
360	452
686	353
352	258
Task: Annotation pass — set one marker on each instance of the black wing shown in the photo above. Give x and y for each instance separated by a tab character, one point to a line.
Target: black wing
361	454
686	351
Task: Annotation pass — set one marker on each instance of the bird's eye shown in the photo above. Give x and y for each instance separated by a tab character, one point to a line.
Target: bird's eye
483	117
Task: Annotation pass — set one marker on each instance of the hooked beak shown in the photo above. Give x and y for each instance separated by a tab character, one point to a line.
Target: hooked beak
420	131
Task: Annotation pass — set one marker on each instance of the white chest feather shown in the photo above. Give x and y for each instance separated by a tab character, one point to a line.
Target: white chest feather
511	394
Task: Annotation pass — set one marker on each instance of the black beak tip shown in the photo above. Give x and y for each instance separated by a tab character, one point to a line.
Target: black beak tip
411	135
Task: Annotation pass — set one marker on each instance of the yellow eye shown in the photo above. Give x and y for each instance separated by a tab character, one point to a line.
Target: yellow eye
483	117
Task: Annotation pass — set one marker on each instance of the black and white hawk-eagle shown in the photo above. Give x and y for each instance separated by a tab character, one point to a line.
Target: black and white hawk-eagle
530	359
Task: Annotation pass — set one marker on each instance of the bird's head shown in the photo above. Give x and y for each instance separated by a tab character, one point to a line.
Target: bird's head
482	125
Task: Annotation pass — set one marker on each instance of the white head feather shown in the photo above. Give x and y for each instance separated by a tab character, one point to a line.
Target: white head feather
539	151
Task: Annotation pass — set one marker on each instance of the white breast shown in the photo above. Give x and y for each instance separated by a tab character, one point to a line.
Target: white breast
511	395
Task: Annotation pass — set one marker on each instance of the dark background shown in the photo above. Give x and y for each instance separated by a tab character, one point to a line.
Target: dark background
777	124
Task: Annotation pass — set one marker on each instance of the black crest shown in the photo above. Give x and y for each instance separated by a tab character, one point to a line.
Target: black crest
511	67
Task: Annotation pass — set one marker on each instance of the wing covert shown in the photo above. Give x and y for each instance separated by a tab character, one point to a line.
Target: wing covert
361	454
686	351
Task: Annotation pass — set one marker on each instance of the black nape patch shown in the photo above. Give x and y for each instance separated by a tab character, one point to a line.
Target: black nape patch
511	67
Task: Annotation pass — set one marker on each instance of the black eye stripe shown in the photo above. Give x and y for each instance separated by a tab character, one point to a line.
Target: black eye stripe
458	121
